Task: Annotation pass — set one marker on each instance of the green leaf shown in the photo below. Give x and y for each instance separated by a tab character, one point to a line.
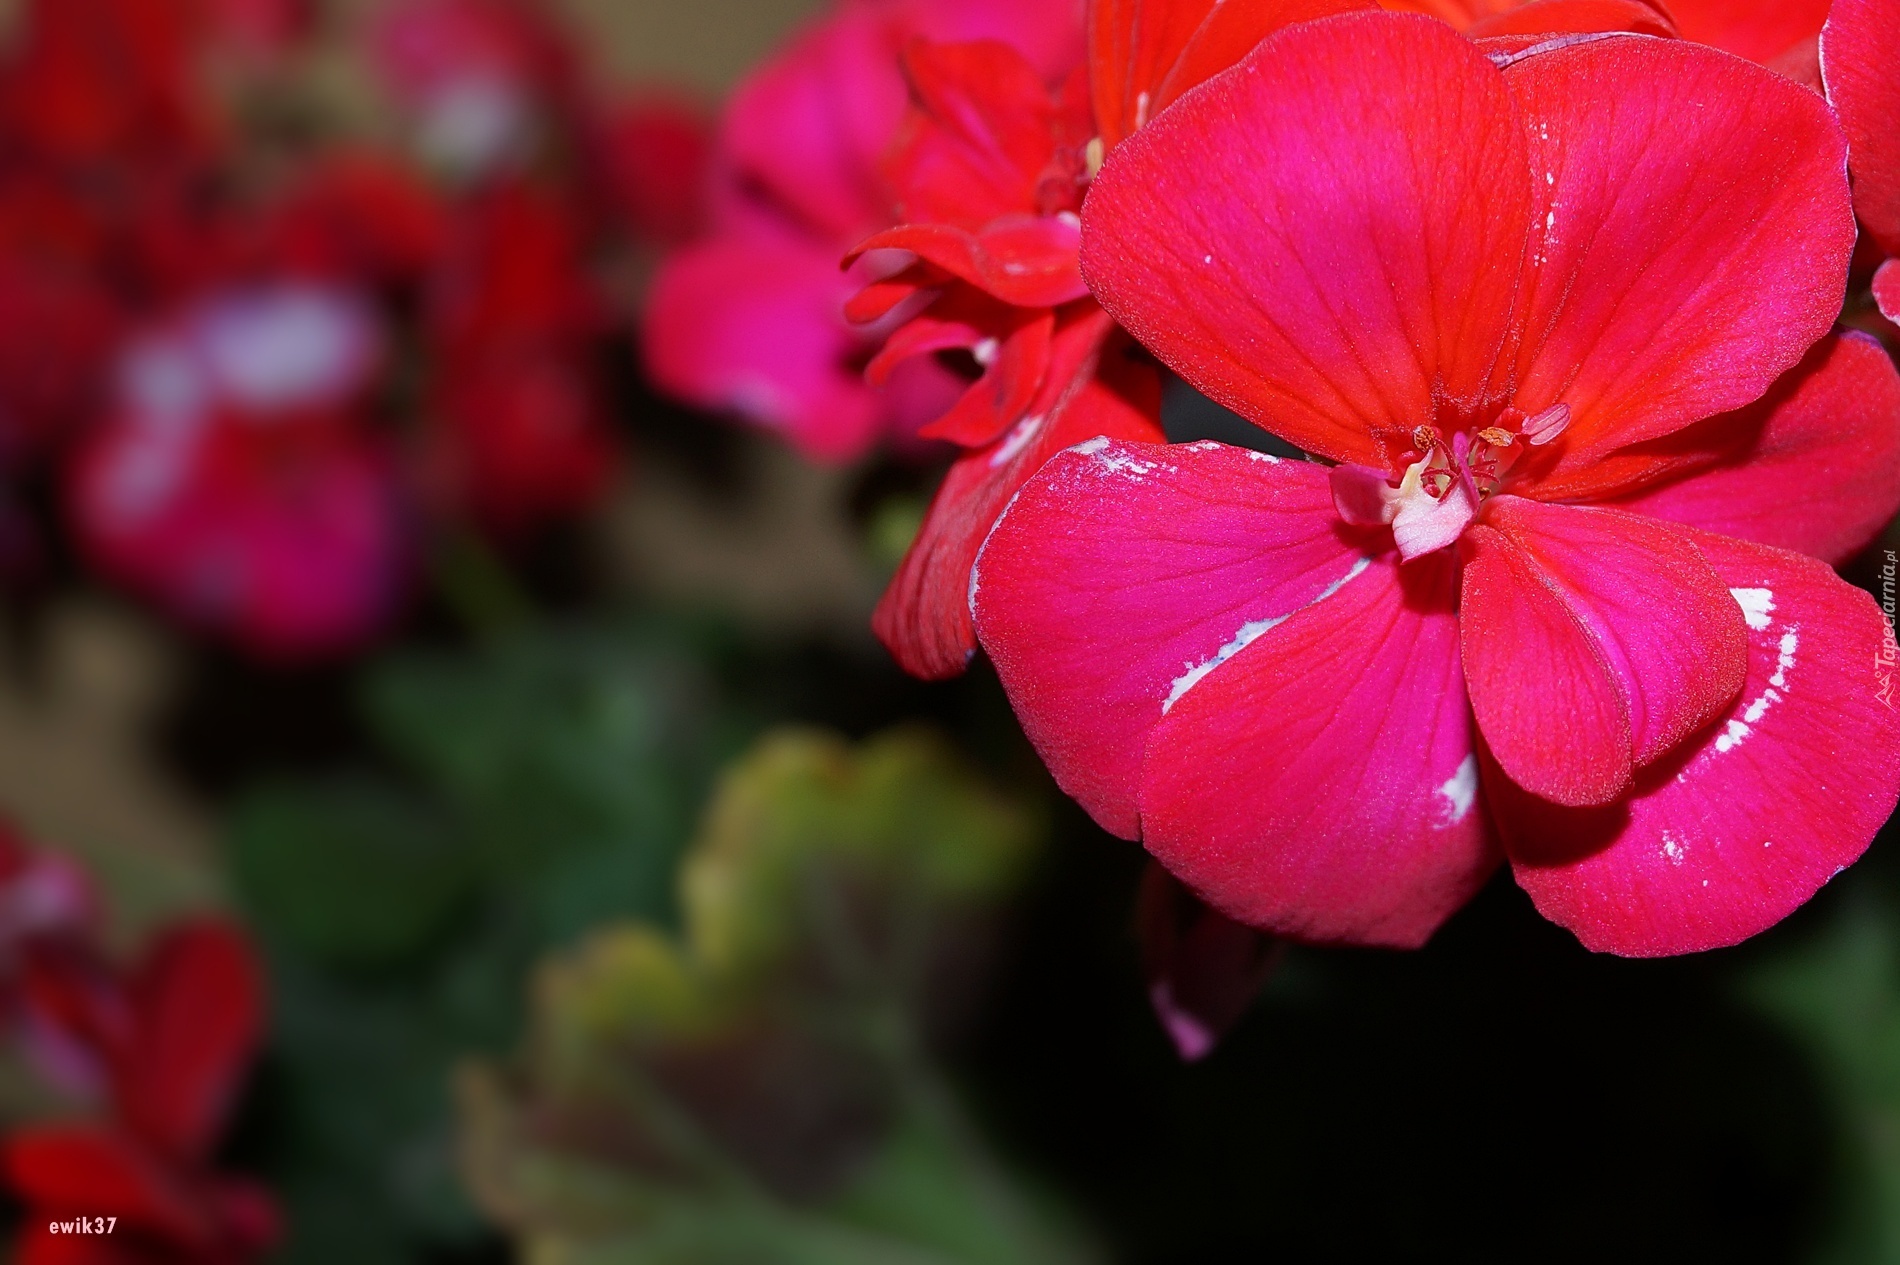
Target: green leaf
350	871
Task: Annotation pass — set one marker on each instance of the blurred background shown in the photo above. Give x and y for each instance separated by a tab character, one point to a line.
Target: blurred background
457	811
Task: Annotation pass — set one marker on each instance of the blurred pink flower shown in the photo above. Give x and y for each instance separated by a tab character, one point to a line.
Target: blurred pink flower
478	75
751	320
232	481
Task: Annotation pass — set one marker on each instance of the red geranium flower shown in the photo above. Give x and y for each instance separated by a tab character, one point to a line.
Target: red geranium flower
751	319
174	1042
1547	600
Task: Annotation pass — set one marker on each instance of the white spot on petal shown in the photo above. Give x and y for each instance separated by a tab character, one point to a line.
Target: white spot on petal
1246	635
1460	791
1757	605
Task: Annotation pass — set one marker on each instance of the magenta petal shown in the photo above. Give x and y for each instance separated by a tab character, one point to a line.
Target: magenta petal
1694	230
1595	640
1203	968
1322	786
1887	290
1325	238
756	327
1123	575
1734	833
1822	472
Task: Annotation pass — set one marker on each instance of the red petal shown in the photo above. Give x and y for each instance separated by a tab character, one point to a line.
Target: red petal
200	1003
1646	313
79	1170
924	617
1887	291
1006	390
1027	260
978	138
1540	684
1858	52
1738	829
1813	467
1323	786
1611	613
1122	575
1324	239
1760	30
1145	53
1562	17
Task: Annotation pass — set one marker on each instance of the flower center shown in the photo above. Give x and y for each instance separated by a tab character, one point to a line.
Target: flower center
1446	478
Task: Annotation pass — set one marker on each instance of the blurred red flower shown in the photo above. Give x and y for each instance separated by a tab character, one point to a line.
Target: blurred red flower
173	1039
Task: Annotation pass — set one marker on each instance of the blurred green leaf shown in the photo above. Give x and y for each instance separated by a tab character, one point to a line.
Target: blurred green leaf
352	871
1840	994
756	1090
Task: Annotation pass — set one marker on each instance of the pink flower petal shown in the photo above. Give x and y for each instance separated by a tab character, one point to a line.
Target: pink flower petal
1738	829
1323	786
1858	50
1693	236
1887	291
1817	468
1324	238
1595	640
1124	574
757	328
1540	684
1203	968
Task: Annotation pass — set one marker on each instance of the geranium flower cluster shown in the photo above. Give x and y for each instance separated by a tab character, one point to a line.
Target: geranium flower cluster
1548	296
257	369
152	1054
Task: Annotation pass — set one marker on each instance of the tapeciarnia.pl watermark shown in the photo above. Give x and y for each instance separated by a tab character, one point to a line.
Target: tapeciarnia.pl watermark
1889	652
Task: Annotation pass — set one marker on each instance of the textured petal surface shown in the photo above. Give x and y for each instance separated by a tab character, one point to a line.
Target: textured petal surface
1556	17
1028	260
1145	53
1326	238
1695	235
1322	785
924	616
1540	685
1560	602
1813	467
1859	49
1733	833
1124	576
1760	30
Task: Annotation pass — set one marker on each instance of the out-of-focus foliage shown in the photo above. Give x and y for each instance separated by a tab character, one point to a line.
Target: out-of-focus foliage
1840	994
758	1089
535	787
